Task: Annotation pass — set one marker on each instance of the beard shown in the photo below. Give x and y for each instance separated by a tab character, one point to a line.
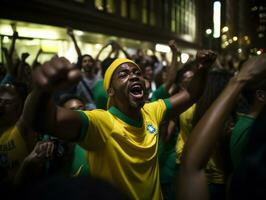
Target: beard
136	104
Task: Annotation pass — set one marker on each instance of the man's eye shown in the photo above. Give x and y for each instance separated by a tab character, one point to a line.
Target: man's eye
122	74
138	73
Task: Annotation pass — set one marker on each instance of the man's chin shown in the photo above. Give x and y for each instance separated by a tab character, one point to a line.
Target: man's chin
137	104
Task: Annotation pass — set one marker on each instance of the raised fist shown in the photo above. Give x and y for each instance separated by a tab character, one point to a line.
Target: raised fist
205	58
56	74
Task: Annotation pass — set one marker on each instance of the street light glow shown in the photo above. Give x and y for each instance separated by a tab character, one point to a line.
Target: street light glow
216	19
208	31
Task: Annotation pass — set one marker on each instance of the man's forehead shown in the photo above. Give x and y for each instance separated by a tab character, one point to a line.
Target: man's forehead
127	66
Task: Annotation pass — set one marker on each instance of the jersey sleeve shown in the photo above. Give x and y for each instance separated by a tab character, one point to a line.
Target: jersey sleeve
96	128
160	93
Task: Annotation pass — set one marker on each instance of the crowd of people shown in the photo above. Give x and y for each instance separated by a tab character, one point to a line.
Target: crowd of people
132	126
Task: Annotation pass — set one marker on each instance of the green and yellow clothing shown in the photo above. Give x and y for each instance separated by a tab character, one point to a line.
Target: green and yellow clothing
123	151
13	150
239	137
185	120
214	169
79	165
160	93
99	95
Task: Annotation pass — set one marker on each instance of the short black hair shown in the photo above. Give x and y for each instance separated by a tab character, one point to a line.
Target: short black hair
66	97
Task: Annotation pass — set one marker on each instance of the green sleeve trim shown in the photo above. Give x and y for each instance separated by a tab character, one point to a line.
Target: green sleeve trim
84	125
164	92
169	107
125	118
160	93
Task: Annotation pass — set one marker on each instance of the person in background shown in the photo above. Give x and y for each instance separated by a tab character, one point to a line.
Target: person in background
86	64
16	138
204	137
255	94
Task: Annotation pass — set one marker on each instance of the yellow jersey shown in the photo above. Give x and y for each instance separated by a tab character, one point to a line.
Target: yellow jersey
214	170
185	120
13	150
125	152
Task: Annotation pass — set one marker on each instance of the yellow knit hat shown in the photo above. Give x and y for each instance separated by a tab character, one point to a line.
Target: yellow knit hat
109	73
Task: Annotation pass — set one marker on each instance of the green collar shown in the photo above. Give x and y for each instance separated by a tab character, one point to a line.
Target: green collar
125	118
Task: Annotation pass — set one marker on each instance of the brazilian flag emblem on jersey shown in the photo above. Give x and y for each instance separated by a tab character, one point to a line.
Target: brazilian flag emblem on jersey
151	128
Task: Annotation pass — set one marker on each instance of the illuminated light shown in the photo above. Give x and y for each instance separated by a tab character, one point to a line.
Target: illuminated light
259	52
187	37
79	33
33	42
5	39
246	37
254	8
208	31
230	41
226	43
239	50
149	52
216	19
98	46
162	48
6	30
37	33
184	57
225	29
50	46
261	35
224	37
235	38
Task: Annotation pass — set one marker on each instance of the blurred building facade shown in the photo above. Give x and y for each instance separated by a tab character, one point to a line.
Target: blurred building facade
244	26
150	21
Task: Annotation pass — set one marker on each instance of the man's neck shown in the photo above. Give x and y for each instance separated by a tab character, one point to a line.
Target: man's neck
133	113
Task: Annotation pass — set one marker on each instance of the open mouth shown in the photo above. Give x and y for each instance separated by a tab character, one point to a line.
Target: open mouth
136	90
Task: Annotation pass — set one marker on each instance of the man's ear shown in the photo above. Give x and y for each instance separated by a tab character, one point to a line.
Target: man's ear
261	95
110	92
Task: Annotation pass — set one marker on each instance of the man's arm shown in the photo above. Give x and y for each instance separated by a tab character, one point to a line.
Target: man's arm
186	97
35	61
72	36
13	44
204	136
171	73
40	111
119	47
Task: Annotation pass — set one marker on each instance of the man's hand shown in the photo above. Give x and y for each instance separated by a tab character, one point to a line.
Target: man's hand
42	151
56	74
24	56
205	58
172	44
70	31
254	69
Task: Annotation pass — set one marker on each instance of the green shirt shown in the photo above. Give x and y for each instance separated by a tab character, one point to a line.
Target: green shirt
79	164
100	95
239	138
